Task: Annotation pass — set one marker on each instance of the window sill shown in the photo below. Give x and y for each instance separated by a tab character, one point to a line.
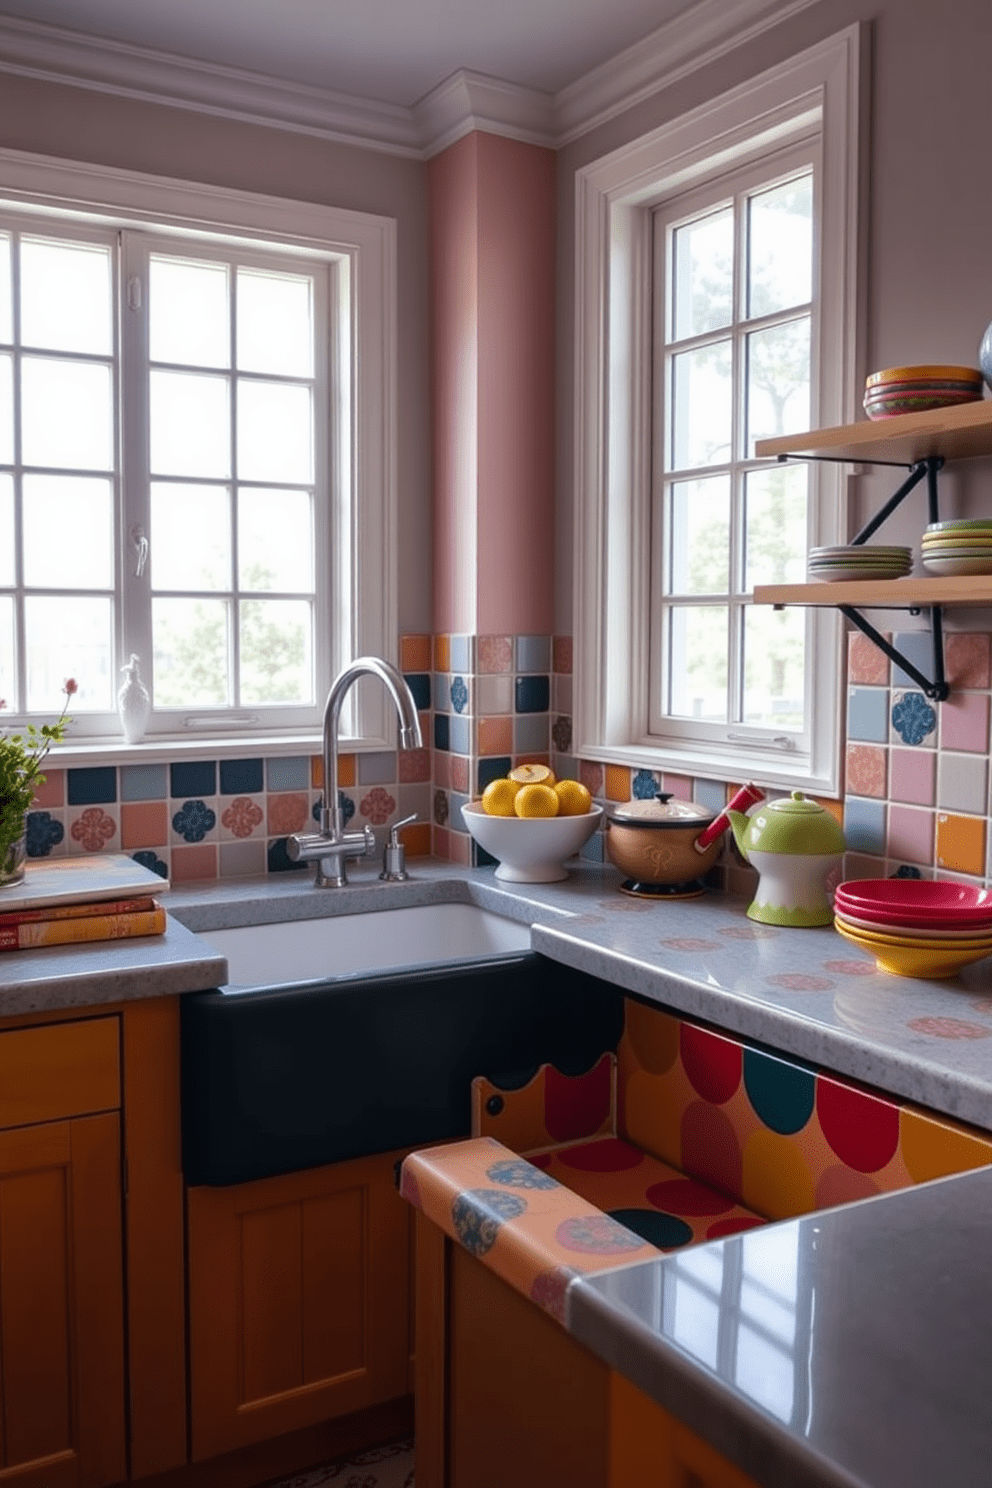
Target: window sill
780	771
78	753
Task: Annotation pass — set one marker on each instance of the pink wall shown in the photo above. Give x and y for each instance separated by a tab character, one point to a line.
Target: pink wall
491	203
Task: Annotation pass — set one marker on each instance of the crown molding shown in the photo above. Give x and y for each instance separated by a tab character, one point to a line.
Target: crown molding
464	102
682	46
467	101
56	55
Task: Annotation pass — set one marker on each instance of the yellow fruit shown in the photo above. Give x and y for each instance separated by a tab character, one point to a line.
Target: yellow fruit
498	797
573	798
533	775
536	800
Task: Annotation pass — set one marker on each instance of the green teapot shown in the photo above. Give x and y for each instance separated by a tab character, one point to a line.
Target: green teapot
795	844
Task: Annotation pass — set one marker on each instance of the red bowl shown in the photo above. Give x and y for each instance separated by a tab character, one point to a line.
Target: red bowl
908	901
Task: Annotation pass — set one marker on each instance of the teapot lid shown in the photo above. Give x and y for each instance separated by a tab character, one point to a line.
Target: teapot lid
795	804
662	810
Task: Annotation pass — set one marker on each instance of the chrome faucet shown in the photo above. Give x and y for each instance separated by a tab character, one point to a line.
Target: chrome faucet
332	846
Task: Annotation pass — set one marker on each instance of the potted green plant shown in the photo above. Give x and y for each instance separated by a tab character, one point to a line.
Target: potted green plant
21	756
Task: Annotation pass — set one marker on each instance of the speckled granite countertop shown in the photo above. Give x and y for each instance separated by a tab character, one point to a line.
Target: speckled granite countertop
847	1349
806	992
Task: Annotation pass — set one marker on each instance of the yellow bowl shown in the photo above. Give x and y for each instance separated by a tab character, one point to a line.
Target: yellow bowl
924	374
924	959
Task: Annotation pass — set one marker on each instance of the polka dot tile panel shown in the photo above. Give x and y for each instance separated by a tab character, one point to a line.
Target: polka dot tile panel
547	1108
778	1136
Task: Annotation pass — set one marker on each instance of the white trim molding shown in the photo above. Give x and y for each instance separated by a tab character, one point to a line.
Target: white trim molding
821	89
463	102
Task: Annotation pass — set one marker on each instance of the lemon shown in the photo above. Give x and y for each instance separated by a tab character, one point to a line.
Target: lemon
533	775
536	800
573	798
498	797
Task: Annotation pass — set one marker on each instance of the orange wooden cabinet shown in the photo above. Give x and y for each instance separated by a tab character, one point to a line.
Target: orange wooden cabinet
61	1268
298	1301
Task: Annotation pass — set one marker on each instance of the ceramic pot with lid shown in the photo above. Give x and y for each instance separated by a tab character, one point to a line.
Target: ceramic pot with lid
665	846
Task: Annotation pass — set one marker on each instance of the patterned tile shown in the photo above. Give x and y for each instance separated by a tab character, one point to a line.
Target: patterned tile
967	659
242	817
866	769
92	830
494	653
865	662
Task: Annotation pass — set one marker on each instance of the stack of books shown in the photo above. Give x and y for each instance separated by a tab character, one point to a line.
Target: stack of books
109	897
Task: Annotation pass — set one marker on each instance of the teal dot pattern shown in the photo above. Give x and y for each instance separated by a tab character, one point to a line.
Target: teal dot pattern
781	1093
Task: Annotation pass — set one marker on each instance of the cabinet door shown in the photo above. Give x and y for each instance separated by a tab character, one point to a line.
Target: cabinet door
298	1301
61	1305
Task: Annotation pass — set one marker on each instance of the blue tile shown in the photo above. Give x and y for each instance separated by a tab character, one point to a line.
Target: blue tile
378	768
533	653
455	803
43	833
143	783
913	718
459	694
442	725
279	860
592	848
864	825
460	653
289	774
567	767
442	692
419	684
241	777
533	694
493	767
460	735
868	714
94	787
193	778
710	793
152	861
481	858
530	733
917	647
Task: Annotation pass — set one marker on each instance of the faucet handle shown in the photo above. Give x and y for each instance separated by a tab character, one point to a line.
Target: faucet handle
394	853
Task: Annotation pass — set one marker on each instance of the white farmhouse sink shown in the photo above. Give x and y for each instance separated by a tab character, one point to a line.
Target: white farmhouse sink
357	944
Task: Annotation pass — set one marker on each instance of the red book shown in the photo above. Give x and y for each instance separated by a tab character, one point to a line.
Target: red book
103	926
14	917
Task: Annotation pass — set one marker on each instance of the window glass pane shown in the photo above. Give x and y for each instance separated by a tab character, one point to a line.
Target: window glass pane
778	381
695	1322
188	316
275	432
765	1373
66	414
190	536
6	311
7	570
275	323
780	242
191	650
703	275
68	637
698	662
7	410
774	667
7	649
701	407
275	540
190	424
68	525
775	525
699	536
276	664
65	296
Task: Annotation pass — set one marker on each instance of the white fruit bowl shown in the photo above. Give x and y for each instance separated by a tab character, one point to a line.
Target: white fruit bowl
530	849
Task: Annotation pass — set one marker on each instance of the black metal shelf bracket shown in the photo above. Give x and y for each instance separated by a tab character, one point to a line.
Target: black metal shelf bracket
927	469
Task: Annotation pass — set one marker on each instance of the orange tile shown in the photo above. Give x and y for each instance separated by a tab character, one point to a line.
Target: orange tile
416	838
144	824
287	812
346	770
496	735
617	787
836	808
441	843
198	861
442	653
415	653
961	844
316	771
52	792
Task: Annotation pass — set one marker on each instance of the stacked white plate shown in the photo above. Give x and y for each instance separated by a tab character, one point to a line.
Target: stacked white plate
859	561
953	548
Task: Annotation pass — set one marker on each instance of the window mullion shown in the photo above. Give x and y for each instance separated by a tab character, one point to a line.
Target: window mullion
133	583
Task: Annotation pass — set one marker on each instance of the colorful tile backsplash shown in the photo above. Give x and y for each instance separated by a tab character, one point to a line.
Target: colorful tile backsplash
915	796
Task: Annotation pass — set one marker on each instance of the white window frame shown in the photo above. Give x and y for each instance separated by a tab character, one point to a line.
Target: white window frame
362	248
820	90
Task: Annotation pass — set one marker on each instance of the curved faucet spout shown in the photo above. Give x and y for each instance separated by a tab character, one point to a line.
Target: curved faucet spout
410	735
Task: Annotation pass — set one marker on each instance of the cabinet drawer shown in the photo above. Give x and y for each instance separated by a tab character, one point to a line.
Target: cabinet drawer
62	1069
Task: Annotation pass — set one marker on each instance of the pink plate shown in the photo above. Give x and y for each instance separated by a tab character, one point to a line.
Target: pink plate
909	901
982	934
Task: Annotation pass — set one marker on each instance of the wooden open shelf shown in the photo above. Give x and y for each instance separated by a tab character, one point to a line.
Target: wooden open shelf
875	594
960	433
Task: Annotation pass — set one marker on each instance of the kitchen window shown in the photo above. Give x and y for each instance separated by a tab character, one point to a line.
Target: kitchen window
189	453
716	303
